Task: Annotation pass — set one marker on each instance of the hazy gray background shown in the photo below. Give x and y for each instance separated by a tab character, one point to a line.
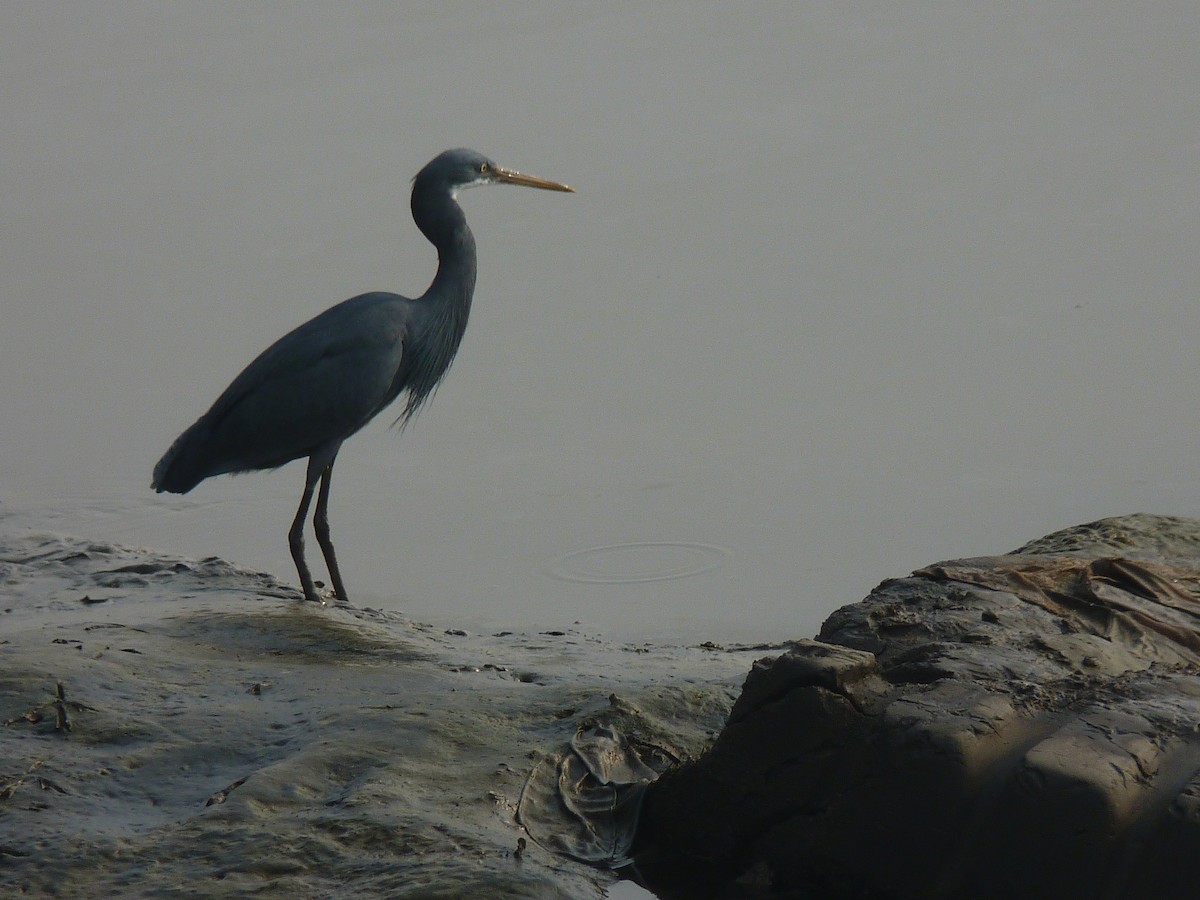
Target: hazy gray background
846	288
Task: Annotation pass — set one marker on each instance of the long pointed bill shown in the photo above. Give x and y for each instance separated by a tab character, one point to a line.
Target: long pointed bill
508	176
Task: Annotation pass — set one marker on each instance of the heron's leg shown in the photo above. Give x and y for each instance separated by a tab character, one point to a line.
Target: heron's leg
321	527
296	536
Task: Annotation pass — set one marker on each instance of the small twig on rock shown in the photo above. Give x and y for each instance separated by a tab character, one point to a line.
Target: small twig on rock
62	720
10	783
221	795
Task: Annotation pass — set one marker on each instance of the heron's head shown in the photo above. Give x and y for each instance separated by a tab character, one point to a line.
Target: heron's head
452	170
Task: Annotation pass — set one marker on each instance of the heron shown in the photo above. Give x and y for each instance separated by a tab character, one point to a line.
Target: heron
325	380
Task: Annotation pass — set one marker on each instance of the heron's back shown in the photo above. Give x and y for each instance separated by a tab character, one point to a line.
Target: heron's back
311	389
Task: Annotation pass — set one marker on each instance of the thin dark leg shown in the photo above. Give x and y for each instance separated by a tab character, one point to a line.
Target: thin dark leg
321	527
296	536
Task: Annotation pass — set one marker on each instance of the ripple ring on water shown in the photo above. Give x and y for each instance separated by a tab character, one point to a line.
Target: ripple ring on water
610	564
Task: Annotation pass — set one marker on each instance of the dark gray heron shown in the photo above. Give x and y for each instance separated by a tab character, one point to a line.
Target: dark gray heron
316	386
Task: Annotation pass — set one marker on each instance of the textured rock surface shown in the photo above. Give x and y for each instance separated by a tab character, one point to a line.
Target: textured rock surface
1015	726
184	728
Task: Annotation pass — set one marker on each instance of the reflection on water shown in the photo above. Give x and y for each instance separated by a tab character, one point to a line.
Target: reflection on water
638	562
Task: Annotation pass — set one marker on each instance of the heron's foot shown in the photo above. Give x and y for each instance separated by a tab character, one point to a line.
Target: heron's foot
310	592
328	596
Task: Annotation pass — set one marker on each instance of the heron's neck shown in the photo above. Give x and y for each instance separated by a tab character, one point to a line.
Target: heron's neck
447	303
441	220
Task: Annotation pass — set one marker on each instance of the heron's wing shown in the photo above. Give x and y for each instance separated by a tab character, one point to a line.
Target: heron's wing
318	384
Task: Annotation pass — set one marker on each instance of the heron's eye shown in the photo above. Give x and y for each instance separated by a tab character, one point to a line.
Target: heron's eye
483	168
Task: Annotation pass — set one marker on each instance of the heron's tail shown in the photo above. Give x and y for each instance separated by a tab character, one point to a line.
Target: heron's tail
183	466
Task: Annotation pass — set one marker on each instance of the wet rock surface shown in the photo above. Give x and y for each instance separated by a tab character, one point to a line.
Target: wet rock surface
176	727
1023	725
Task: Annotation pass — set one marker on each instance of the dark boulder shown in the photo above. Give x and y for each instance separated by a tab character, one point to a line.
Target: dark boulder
1014	726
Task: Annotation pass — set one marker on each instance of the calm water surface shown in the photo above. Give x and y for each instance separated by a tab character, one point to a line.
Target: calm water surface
843	291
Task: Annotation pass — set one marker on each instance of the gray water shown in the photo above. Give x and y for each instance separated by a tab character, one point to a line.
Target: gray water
845	288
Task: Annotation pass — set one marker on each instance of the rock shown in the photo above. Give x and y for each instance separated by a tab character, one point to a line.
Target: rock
1013	726
204	732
